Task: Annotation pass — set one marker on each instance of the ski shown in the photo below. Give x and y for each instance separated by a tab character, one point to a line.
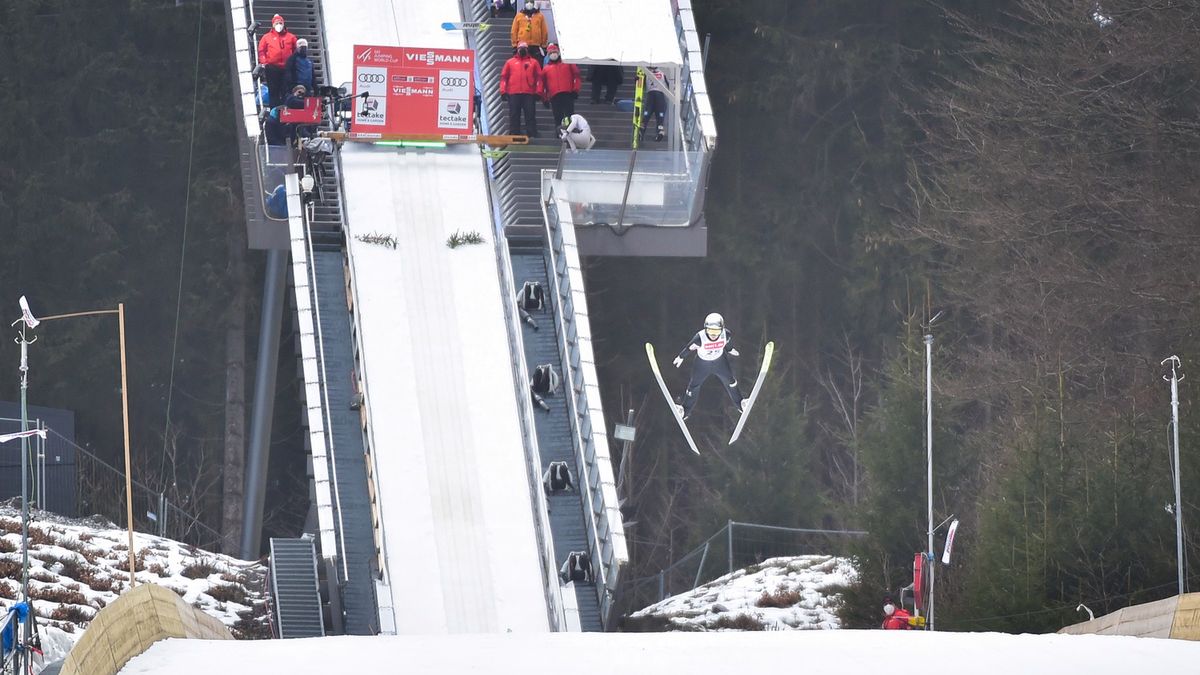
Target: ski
762	375
670	402
466	25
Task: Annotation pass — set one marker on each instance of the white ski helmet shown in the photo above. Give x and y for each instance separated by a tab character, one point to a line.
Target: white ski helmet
714	323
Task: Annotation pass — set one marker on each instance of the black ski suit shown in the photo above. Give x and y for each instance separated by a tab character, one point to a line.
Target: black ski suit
712	358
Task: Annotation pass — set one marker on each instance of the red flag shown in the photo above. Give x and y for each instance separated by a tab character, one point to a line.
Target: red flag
918	584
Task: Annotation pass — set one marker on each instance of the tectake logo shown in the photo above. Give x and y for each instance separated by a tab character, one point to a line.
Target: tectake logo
431	57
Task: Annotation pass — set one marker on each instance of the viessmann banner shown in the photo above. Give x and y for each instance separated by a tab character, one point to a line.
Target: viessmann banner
412	92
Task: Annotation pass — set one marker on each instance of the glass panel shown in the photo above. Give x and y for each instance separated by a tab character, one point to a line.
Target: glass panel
658	188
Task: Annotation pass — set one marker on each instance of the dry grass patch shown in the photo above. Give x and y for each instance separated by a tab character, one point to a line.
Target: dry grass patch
739	622
780	598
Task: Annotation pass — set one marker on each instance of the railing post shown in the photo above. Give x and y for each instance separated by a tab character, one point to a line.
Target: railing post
730	539
700	569
662	589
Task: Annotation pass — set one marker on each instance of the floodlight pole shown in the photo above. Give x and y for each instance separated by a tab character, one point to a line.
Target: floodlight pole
120	312
929	463
23	340
1174	379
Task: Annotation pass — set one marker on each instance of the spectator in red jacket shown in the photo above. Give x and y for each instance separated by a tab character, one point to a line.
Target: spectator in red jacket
273	51
521	86
560	82
895	618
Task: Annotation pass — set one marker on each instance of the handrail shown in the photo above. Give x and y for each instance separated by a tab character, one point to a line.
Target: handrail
337	493
573	394
608	559
305	316
521	385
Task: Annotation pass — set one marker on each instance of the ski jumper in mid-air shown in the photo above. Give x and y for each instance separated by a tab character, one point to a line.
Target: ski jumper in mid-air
713	346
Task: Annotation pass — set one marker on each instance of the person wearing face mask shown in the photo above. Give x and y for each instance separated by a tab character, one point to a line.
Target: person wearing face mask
529	26
299	68
274	49
560	82
521	86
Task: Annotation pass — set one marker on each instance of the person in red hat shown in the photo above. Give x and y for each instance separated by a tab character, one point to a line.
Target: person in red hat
273	51
521	86
560	84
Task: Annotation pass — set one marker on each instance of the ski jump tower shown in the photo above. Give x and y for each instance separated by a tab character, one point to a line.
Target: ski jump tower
426	453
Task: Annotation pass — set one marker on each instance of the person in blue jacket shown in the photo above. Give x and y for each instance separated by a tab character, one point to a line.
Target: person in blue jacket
299	69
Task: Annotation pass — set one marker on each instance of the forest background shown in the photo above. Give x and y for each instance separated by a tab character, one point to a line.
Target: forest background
1027	167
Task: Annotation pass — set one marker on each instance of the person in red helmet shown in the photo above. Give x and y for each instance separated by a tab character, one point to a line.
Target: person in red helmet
273	51
895	618
521	86
560	84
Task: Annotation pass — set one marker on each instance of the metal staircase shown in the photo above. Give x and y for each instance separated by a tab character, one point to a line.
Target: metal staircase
294	591
554	436
303	18
521	172
324	328
579	520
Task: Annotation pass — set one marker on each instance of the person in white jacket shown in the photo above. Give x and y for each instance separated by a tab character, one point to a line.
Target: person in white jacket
576	132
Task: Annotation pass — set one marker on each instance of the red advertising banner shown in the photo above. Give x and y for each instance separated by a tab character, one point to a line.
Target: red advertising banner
919	581
412	92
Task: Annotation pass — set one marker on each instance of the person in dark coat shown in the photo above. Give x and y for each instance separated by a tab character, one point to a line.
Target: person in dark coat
299	69
607	78
276	132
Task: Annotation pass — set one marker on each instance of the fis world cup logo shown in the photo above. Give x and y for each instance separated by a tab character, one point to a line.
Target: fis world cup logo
365	54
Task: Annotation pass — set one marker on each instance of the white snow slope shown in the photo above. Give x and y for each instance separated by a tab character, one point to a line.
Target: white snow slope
460	553
840	652
790	593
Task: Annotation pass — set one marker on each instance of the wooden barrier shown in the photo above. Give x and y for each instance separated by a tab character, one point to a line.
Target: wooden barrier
128	627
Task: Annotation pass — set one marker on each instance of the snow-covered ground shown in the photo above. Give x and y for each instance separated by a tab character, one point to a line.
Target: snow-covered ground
791	593
78	566
460	552
840	652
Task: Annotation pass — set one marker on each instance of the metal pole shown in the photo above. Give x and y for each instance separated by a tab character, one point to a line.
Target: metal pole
1174	379
274	288
24	629
128	468
730	526
929	463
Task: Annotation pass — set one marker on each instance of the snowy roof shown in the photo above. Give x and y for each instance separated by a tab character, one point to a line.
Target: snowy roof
617	31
